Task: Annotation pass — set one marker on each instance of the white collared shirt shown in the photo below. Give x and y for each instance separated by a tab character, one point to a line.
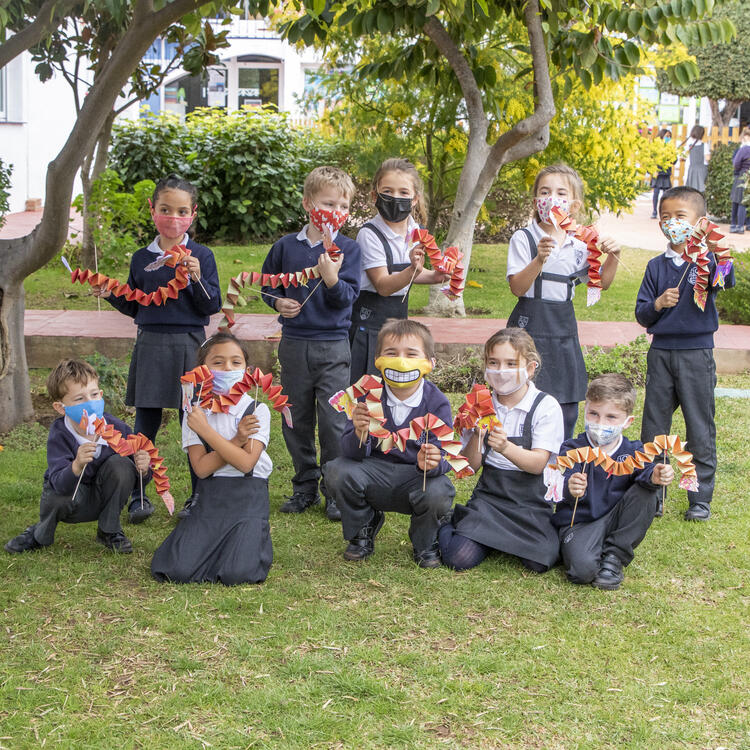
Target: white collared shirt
563	260
302	236
81	439
373	252
676	258
400	410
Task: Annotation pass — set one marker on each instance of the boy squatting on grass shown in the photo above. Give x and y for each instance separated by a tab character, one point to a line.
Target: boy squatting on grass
613	513
106	479
681	370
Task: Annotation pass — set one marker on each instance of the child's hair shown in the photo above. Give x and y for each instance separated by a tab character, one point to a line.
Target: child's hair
698	132
523	345
175	182
688	195
612	387
419	204
745	132
575	183
323	177
664	132
220	337
74	370
399	328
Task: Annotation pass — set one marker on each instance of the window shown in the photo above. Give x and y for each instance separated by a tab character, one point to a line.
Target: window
258	86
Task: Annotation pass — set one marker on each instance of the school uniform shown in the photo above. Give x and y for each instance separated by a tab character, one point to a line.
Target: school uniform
546	312
681	370
226	538
105	485
507	511
364	479
611	518
741	166
380	246
314	351
696	167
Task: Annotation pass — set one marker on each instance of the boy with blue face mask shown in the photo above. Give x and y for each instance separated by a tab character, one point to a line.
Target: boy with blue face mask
613	513
85	479
681	367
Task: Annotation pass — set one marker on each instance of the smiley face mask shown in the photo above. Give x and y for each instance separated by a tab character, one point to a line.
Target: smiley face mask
402	372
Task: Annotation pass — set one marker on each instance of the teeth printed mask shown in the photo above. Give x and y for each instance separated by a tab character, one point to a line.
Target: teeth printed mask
402	372
677	231
545	205
321	218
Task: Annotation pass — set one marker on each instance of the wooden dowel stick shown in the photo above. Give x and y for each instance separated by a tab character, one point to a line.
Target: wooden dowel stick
424	474
408	288
311	294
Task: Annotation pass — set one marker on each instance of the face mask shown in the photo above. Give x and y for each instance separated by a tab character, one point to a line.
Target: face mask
171	226
504	382
545	205
600	434
393	209
402	372
225	379
677	231
93	409
321	218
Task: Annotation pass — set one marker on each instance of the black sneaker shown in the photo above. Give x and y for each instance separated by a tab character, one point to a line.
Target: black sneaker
698	512
189	503
139	509
610	574
659	507
300	502
428	558
116	541
24	542
363	545
332	510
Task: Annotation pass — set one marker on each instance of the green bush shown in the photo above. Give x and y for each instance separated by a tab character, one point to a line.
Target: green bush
458	373
719	179
627	359
113	380
734	304
4	188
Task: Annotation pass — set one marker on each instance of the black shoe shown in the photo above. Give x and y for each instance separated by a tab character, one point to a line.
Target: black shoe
117	541
189	503
428	558
363	545
610	574
139	509
698	512
332	510
24	542
659	507
300	502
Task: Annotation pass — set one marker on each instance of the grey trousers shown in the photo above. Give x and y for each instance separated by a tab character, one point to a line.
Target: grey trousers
311	372
618	533
361	487
684	378
100	501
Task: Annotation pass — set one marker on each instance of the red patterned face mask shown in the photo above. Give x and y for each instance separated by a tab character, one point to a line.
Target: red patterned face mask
321	218
172	227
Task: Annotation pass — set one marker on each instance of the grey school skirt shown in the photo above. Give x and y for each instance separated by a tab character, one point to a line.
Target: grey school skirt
157	363
737	190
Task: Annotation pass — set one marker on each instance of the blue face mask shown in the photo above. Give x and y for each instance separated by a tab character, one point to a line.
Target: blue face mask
93	409
601	434
225	379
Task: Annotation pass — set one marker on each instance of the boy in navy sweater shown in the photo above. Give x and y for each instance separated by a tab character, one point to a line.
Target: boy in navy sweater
85	479
681	368
365	481
314	349
613	513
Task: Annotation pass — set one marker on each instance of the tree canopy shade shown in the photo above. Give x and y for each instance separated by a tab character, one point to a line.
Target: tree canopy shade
577	41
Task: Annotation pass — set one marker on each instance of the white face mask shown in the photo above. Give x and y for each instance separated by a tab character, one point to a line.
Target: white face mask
604	434
545	204
225	379
505	382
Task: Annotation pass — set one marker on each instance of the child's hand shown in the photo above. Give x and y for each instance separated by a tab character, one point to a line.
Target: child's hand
197	421
416	258
84	455
438	277
288	308
141	459
663	474
609	245
361	420
428	457
100	290
193	266
498	440
247	426
577	484
329	268
669	299
544	247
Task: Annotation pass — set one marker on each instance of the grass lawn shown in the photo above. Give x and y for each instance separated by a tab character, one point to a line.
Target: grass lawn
378	654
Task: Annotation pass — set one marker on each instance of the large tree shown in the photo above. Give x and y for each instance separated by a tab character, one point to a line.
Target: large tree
581	40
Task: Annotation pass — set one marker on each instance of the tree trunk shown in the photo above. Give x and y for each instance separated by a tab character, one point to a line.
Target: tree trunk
721	117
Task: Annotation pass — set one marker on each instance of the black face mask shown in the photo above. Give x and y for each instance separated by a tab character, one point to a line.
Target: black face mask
393	209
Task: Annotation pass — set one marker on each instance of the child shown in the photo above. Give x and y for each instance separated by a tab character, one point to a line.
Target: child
741	164
388	267
695	152
507	511
365	481
85	479
226	536
680	365
168	334
544	265
613	513
663	179
314	348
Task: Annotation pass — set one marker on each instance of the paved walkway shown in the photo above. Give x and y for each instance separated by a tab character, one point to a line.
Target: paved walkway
20	224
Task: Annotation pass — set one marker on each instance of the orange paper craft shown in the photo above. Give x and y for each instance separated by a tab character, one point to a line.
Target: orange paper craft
447	262
369	386
703	240
477	410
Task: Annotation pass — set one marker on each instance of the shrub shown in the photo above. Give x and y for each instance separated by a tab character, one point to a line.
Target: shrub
734	304
719	179
627	359
458	373
113	380
4	190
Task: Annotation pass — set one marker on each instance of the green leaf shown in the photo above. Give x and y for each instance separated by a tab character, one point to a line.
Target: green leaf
385	22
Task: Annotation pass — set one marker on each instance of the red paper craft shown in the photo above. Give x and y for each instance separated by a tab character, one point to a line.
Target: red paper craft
703	240
476	410
447	262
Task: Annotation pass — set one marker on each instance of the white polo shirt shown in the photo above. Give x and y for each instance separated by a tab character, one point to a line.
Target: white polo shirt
564	260
373	253
401	408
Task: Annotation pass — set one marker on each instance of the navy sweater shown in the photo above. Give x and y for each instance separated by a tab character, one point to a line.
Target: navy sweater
741	160
433	402
61	452
684	326
327	316
192	308
603	491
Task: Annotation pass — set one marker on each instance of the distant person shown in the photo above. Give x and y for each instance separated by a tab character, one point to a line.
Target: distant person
695	152
663	179
741	163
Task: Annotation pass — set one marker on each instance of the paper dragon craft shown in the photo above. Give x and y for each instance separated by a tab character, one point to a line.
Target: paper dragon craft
703	240
172	258
477	411
447	262
201	378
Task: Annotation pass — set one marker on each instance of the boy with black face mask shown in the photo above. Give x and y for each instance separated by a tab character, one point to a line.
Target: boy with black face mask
389	262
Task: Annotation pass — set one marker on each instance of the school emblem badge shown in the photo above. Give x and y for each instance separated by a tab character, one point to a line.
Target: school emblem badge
693	275
523	321
623	457
364	313
580	254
